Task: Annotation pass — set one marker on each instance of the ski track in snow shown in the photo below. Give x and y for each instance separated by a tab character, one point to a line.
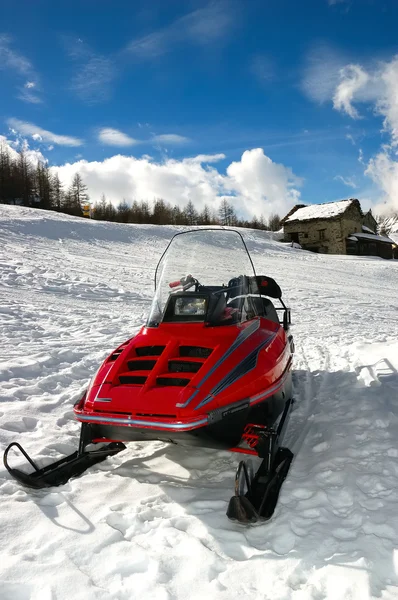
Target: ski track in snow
150	522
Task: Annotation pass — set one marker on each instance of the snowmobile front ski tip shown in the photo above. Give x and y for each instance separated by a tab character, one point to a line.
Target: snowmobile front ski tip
62	470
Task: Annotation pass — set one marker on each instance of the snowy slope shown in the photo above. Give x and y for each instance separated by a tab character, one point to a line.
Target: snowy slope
150	522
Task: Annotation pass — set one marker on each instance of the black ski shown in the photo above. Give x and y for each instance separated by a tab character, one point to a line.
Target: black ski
62	470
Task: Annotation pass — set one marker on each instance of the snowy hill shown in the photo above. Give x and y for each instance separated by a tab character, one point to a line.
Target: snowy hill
150	522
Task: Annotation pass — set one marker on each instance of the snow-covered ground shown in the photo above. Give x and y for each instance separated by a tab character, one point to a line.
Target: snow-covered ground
149	523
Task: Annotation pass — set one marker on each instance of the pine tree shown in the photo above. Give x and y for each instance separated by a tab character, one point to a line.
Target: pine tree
6	191
77	195
145	212
160	213
226	213
123	212
44	187
274	222
191	214
205	216
58	192
177	216
24	179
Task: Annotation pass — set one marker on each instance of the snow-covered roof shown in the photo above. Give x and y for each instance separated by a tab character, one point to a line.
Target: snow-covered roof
320	211
367	229
372	237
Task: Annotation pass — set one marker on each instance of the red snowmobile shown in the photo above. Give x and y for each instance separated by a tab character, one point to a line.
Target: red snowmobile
212	367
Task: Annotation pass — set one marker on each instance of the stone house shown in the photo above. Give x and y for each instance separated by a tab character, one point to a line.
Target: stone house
336	228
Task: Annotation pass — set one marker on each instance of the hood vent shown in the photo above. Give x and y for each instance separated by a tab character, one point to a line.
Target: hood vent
132	379
141	365
172	381
149	350
184	366
195	351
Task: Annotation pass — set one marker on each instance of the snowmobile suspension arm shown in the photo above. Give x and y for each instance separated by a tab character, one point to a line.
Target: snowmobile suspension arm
263	488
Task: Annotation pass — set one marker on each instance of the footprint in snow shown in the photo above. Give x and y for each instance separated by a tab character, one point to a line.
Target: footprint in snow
321	447
26	424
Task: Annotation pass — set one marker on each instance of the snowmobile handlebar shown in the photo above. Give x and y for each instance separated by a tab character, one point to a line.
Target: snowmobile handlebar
185	282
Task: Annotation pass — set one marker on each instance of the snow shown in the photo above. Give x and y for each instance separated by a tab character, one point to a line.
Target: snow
367	229
320	211
150	522
373	237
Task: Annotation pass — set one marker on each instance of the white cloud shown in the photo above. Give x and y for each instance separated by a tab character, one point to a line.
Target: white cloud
170	138
351	138
383	170
322	72
263	68
25	128
114	137
349	181
262	184
255	184
353	78
92	81
27	96
37	137
206	158
387	101
11	59
19	64
202	26
378	86
33	156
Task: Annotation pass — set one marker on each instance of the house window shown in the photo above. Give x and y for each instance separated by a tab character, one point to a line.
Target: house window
305	235
322	234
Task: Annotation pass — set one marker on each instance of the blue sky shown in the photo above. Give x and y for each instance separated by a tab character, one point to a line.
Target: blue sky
173	79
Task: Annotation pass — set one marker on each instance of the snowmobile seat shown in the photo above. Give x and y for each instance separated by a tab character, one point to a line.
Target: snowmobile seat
217	310
265	308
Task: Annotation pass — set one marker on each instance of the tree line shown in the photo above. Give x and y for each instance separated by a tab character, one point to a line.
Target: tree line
39	186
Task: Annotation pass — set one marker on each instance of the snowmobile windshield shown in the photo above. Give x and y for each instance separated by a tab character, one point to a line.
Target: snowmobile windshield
204	275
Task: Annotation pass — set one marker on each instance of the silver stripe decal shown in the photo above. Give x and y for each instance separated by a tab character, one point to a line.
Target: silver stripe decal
211	397
243	335
103	382
135	423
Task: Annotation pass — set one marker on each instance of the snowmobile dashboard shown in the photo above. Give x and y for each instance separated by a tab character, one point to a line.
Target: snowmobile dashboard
209	305
186	307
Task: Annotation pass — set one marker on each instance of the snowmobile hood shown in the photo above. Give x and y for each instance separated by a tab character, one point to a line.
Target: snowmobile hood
176	373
